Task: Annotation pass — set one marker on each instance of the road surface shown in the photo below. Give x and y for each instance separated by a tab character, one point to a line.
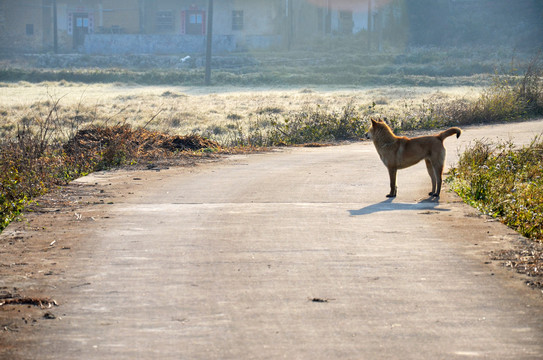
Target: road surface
294	254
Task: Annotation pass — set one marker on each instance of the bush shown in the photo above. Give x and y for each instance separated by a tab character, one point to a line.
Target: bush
504	182
499	103
318	126
13	197
530	87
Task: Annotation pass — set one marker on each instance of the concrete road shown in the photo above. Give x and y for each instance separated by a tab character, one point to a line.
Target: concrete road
292	254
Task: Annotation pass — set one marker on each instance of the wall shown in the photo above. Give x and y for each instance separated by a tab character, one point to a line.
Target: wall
260	28
15	16
261	22
176	6
111	44
118	16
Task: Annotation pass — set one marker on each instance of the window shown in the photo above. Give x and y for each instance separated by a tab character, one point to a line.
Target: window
237	20
195	19
346	15
164	21
29	29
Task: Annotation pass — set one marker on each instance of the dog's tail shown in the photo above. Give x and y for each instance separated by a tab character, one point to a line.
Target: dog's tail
444	134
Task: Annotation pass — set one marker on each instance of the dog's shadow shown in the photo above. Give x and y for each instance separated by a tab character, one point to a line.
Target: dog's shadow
428	204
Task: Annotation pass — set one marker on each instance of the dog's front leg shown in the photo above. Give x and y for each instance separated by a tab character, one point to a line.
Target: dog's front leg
392	173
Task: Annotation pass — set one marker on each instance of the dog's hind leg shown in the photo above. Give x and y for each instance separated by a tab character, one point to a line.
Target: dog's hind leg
439	164
439	178
392	173
433	176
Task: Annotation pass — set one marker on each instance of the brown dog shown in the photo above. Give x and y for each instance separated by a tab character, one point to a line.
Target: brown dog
400	152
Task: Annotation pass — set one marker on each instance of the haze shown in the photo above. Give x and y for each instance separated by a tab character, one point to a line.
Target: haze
251	35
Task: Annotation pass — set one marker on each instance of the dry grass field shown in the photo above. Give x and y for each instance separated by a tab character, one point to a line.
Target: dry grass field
210	112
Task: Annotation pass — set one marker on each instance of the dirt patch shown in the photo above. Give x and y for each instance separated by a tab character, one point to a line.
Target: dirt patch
35	256
528	260
17	300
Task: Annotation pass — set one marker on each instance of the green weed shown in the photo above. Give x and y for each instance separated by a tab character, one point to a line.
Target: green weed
505	183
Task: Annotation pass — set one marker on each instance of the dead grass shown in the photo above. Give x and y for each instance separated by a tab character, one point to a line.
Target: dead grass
211	112
37	160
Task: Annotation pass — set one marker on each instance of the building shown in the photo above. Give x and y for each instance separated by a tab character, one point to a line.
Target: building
170	26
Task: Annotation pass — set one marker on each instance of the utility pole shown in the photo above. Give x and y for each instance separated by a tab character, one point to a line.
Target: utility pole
142	5
290	19
55	25
369	25
379	30
209	42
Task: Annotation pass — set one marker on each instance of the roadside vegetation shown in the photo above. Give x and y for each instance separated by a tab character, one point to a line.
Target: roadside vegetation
48	144
504	182
37	160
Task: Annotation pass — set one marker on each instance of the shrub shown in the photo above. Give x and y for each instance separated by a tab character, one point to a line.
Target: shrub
504	182
318	126
13	197
498	103
530	87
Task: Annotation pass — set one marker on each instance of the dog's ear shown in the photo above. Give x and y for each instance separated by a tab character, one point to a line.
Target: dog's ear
373	121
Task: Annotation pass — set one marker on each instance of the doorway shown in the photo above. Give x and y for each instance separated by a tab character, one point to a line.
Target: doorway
194	22
80	29
346	22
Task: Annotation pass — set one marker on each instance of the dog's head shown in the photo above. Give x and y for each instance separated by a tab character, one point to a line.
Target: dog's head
376	125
